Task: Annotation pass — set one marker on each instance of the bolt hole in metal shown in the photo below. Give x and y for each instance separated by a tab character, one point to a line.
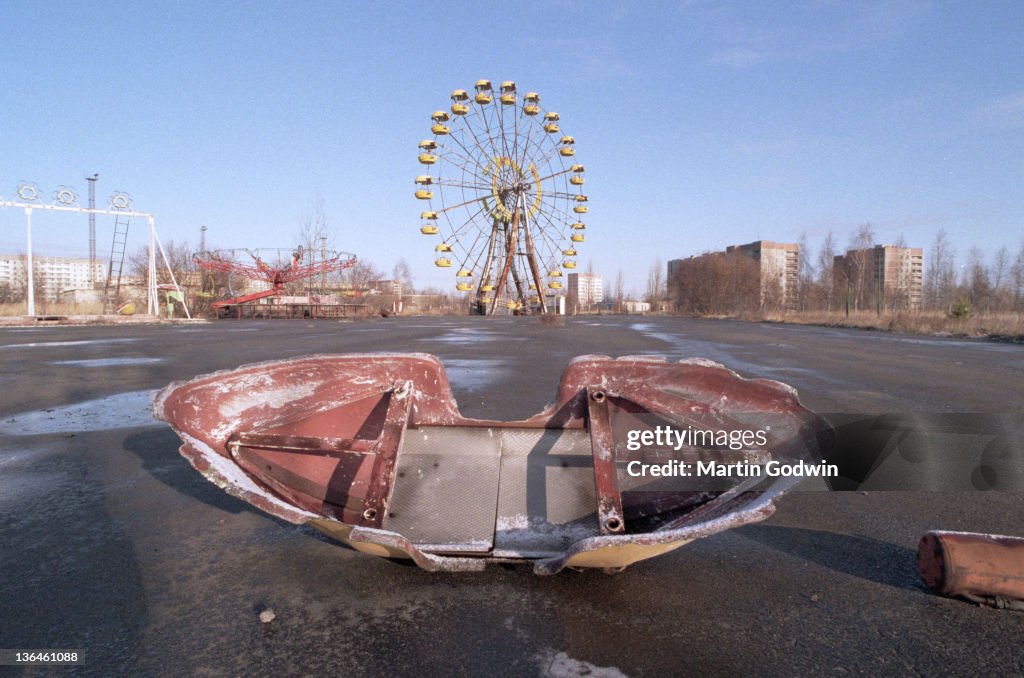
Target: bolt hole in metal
370	514
613	524
599	396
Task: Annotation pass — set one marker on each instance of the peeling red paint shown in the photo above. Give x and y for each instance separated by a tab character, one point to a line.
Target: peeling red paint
319	439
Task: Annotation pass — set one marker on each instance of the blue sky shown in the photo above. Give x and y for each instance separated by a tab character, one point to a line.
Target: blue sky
701	124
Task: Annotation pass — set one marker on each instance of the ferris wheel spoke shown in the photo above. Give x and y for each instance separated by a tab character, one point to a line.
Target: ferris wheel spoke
551	155
470	175
463	162
560	205
515	132
551	230
556	174
482	114
554	248
461	184
462	204
486	126
563	215
496	133
469	221
534	151
468	251
479	147
504	133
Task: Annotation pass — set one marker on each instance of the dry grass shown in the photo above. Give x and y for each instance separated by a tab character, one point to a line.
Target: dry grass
52	308
997	325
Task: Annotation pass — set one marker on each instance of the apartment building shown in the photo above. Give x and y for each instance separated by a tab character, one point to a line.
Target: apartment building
881	277
779	270
53	275
586	288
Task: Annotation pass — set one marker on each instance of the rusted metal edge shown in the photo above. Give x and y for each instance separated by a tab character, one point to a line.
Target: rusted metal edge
983	568
225	474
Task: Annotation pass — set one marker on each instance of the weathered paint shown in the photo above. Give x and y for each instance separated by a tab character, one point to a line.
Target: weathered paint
983	568
315	440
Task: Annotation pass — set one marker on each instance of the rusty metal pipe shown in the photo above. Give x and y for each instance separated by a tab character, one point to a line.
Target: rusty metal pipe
979	567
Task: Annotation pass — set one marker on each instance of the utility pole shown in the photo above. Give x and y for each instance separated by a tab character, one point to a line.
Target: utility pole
92	227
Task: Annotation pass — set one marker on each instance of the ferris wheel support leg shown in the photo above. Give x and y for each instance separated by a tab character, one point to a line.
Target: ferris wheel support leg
486	277
510	251
518	284
535	271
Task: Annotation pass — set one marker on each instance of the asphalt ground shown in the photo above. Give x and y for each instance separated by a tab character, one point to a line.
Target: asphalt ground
112	544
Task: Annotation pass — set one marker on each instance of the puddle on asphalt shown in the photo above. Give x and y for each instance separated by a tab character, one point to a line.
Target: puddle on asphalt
470	335
688	348
107	362
82	342
463	335
473	374
121	410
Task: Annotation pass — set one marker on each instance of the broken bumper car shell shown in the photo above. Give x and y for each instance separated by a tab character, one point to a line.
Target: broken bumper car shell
372	450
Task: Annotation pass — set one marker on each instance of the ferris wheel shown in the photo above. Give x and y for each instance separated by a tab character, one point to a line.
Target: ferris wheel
503	196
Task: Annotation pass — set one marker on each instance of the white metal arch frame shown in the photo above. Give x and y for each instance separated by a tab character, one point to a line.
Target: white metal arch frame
64	201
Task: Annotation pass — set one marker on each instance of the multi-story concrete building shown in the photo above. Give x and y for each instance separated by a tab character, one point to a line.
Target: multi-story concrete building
780	270
880	277
53	275
777	268
586	288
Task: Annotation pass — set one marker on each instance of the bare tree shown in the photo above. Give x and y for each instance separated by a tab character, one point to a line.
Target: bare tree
403	275
826	271
620	290
805	277
941	278
717	283
1017	276
859	264
1002	294
360	275
978	282
654	286
314	237
179	256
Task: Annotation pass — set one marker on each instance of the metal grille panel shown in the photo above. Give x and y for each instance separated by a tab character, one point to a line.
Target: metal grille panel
445	488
